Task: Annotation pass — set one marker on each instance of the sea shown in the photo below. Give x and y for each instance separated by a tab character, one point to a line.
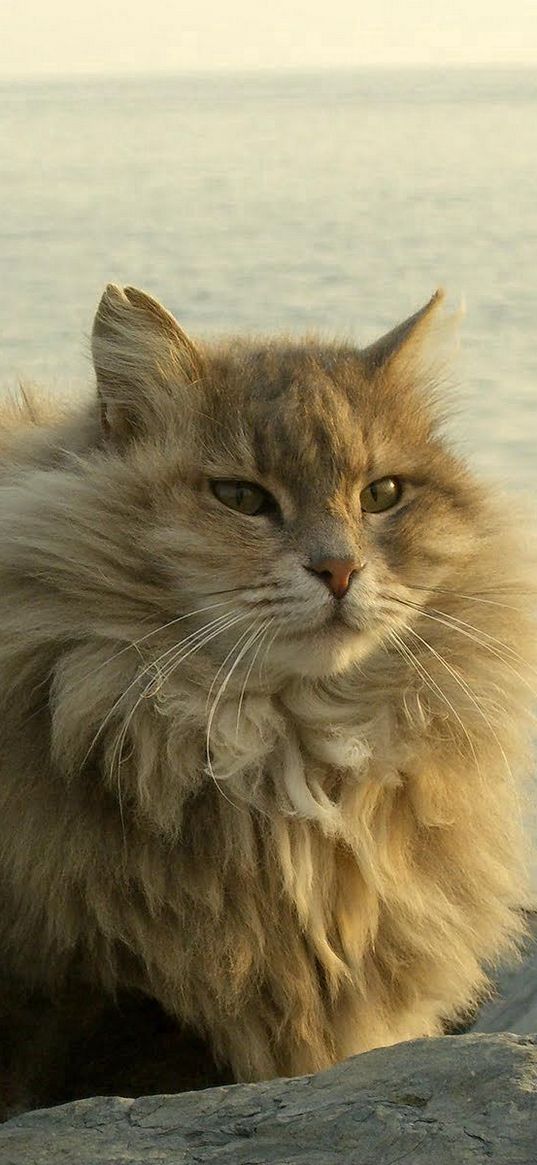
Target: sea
281	201
324	201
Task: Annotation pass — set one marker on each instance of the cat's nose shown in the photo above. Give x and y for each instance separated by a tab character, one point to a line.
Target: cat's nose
336	573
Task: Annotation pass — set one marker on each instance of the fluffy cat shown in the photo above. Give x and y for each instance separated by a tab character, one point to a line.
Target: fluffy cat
265	655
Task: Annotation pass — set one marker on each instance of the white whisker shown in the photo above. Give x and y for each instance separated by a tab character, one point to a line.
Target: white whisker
468	692
120	740
264	664
220	693
177	658
134	643
475	597
139	675
492	645
433	686
261	633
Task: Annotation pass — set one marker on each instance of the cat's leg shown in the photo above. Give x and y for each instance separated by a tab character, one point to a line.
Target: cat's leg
360	1024
36	1036
259	1045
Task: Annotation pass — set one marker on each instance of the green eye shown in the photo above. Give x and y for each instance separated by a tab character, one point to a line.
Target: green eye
244	496
381	495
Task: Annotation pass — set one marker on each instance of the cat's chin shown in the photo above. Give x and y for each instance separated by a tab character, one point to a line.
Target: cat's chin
324	653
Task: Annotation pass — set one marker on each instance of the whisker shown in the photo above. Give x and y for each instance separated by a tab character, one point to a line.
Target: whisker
455	619
430	682
132	643
139	676
474	596
478	630
262	632
484	639
118	747
232	590
459	625
179	619
176	655
219	695
468	692
179	657
264	664
225	660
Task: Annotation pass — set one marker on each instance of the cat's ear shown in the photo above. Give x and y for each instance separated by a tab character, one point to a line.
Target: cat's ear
142	358
420	344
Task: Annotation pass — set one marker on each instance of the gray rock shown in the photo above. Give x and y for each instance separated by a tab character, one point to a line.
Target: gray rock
514	1005
458	1100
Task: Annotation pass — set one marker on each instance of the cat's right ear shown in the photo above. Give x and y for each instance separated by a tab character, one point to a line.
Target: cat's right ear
142	360
419	350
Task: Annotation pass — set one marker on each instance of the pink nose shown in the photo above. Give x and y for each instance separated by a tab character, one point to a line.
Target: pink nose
336	573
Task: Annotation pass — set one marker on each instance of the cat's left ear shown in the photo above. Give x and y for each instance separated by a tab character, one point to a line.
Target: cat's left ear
142	359
422	344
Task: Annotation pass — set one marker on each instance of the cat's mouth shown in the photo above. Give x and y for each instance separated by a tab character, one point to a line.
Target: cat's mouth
338	623
328	641
340	619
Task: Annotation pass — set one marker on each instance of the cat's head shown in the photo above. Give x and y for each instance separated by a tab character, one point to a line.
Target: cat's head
300	490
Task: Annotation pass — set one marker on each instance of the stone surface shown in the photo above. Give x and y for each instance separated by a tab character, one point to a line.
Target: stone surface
458	1100
514	1005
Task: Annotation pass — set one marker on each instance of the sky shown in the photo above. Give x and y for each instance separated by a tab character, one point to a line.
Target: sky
44	37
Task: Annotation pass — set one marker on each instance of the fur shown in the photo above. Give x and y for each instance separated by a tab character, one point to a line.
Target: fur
302	837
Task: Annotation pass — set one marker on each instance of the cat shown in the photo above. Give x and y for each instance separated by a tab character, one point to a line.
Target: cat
266	652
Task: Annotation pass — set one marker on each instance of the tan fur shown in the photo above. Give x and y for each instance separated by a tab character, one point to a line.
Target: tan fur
302	841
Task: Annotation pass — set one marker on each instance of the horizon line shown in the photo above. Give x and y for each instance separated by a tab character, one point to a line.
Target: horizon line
177	71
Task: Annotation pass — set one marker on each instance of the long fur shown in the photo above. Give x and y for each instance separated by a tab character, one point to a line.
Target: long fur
301	848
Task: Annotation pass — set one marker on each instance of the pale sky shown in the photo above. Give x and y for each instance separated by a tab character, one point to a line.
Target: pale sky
110	36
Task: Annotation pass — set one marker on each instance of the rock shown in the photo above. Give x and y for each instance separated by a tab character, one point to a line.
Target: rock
513	1007
457	1100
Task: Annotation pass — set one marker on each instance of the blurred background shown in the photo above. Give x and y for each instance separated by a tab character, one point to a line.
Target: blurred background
289	167
304	167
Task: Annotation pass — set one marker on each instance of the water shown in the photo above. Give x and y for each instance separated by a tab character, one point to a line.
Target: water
332	201
336	201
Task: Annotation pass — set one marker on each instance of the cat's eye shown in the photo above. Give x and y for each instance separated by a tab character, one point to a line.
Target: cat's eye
244	496
381	495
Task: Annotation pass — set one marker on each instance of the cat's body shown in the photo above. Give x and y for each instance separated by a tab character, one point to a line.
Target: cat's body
299	830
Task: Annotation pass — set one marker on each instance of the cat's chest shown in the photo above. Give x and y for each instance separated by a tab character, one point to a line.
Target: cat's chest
298	746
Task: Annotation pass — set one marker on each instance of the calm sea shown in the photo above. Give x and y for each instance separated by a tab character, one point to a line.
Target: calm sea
332	201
